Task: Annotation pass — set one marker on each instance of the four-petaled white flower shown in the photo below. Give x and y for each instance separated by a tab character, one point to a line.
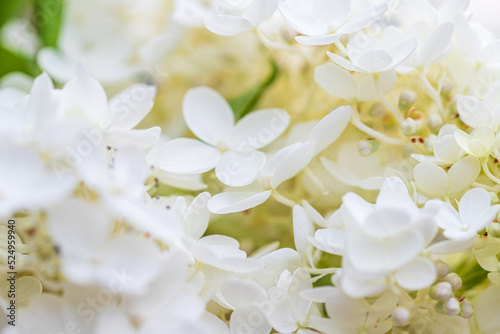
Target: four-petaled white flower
231	148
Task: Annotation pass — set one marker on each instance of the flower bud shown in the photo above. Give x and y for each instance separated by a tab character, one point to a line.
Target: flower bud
454	280
409	127
443	291
441	268
415	114
430	142
401	316
407	99
467	310
367	147
378	110
452	307
434	121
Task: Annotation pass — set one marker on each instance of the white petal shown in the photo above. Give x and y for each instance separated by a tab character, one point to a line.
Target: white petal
318	40
329	128
372	254
450	246
363	19
315	216
418	274
127	108
342	62
227	25
404	50
447	217
474	208
239	294
331	240
56	64
487	308
135	137
260	10
387	222
288	162
207	115
302	229
447	149
431	179
236	201
437	41
187	156
356	207
238	169
362	285
394	194
302	22
490	53
375	61
336	81
463	173
197	216
463	139
86	94
258	129
249	319
473	112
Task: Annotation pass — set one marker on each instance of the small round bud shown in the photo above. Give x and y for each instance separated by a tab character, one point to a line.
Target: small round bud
407	99
367	147
447	87
430	142
401	316
441	268
434	121
454	280
409	127
467	310
452	307
443	291
378	111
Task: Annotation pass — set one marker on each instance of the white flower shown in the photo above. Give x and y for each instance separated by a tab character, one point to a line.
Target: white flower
370	55
290	311
232	20
247	300
170	305
385	239
323	22
475	212
231	148
433	181
113	121
90	256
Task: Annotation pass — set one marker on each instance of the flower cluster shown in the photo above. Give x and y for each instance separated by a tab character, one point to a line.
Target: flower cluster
252	167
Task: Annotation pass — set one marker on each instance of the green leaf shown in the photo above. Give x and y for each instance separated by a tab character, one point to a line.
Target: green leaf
10	62
244	103
48	19
9	9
